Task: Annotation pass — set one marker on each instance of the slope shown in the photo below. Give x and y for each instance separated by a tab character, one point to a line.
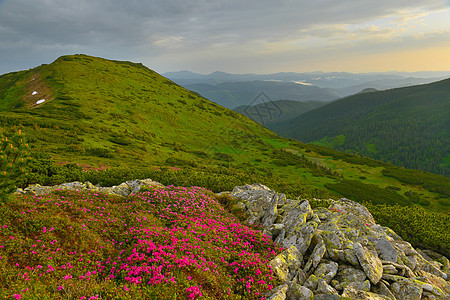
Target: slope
407	126
276	111
127	119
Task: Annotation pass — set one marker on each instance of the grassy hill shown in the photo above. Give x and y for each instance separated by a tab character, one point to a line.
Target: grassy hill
128	121
408	127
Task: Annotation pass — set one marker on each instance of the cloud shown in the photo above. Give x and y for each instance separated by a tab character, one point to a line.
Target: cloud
151	30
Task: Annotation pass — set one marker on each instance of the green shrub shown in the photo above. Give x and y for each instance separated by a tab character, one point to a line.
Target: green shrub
13	161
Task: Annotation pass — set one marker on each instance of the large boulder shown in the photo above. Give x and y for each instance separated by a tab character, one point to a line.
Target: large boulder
370	263
286	264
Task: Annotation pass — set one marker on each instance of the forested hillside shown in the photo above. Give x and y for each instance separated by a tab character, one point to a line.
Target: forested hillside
408	127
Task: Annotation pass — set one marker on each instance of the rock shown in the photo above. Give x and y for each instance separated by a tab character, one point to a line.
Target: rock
260	201
286	264
324	288
389	269
351	208
350	274
297	215
382	289
353	293
276	230
358	285
250	187
301	237
369	262
326	297
312	282
407	290
317	254
428	267
326	271
271	212
300	278
298	292
385	250
279	293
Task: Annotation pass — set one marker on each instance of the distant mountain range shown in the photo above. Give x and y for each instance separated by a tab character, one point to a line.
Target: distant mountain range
276	111
233	90
408	127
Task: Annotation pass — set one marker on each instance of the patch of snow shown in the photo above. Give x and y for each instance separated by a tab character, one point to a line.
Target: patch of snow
40	101
34	93
302	83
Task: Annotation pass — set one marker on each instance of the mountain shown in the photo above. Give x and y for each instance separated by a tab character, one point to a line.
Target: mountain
239	89
408	127
266	112
101	123
234	94
131	122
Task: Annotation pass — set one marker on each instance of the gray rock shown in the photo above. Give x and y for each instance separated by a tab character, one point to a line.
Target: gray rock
286	264
317	254
297	215
351	208
362	286
407	290
324	288
298	292
430	268
385	250
326	271
326	297
301	237
279	293
312	282
353	293
350	274
369	262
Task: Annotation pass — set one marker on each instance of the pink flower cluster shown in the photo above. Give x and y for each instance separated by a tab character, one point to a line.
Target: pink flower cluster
174	237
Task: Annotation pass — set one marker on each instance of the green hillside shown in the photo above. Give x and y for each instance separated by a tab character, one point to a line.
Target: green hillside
275	111
108	121
408	127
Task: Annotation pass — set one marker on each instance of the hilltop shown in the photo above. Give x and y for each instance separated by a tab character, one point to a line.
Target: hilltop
408	127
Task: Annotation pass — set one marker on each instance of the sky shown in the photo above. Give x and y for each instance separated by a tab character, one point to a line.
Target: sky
235	36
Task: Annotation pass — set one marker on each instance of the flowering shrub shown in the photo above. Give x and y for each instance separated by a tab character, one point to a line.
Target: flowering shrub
167	243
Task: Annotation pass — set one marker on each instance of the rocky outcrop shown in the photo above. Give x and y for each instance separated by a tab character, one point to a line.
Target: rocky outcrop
123	189
340	251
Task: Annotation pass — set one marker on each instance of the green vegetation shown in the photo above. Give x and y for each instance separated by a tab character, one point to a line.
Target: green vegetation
276	111
361	192
107	122
421	228
406	126
13	163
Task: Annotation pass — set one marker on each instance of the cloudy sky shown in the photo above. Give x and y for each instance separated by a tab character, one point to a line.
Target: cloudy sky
236	36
